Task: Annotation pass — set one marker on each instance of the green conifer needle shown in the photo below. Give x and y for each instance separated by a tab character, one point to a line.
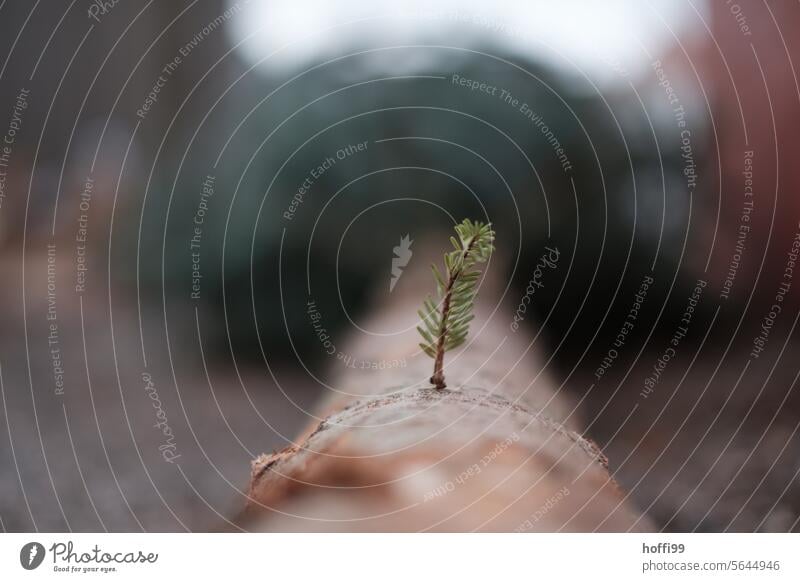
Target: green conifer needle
445	323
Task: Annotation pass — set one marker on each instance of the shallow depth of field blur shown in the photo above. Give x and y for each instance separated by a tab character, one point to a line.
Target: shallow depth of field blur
178	180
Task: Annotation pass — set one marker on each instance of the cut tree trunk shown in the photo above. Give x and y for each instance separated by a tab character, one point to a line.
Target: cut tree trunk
498	450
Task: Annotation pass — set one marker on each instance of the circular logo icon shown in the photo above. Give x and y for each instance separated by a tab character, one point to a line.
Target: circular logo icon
31	555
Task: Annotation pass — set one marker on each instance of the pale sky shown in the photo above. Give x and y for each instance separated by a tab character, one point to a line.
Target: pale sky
599	37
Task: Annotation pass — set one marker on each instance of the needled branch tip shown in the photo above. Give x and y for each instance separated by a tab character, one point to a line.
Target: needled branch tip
445	324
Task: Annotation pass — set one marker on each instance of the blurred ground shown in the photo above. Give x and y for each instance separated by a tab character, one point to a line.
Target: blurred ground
103	461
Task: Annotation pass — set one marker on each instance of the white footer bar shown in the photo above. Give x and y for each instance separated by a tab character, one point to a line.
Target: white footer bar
406	557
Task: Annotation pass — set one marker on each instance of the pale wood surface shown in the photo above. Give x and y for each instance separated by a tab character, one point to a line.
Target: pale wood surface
498	450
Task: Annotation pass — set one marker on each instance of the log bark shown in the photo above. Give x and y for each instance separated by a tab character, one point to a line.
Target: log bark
498	450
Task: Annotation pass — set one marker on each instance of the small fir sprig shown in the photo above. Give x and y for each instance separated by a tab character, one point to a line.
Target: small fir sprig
445	326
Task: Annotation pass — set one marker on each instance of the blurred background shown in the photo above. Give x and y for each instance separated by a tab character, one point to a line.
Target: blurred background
179	180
